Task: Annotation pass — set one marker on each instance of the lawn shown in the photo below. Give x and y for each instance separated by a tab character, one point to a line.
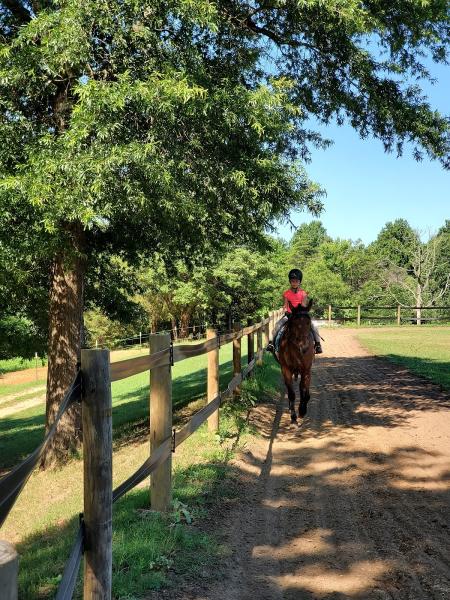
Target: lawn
21	432
424	350
146	546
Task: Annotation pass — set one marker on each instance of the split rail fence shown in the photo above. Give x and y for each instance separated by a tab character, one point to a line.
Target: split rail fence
92	387
400	315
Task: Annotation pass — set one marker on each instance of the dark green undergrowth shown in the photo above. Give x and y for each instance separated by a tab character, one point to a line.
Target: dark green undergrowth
150	550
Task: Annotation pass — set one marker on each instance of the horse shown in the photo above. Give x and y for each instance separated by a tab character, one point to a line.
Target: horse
296	355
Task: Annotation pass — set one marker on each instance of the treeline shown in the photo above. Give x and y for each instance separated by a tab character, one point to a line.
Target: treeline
398	267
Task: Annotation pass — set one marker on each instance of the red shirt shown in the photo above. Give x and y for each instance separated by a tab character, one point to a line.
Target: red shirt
295	298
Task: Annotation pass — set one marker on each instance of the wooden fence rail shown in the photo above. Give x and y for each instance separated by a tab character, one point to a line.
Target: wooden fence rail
94	537
399	314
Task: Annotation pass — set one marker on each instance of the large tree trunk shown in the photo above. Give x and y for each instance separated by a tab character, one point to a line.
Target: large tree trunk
65	335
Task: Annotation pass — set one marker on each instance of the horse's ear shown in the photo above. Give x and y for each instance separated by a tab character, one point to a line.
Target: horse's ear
310	303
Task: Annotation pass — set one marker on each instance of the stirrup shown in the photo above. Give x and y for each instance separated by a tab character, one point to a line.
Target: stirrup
270	347
318	348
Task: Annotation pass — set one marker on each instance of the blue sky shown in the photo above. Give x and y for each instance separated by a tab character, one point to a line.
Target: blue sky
367	187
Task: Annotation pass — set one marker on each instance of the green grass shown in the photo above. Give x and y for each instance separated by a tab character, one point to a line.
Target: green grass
150	551
17	388
23	431
425	351
8	365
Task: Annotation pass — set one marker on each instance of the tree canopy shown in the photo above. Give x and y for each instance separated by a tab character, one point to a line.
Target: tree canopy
130	128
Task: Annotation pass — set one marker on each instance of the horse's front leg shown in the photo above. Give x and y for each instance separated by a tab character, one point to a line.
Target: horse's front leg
305	382
287	376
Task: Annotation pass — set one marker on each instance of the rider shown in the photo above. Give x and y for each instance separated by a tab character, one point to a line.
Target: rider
294	296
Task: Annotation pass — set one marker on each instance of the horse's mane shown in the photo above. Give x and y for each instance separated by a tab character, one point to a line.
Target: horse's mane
294	326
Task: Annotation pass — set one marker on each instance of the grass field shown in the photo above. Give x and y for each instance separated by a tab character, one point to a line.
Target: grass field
21	432
8	365
425	351
146	546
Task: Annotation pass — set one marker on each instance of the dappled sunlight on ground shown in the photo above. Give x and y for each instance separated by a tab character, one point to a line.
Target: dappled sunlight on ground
354	504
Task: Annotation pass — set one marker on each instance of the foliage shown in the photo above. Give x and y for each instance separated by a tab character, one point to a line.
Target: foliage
105	331
306	241
395	244
20	337
130	129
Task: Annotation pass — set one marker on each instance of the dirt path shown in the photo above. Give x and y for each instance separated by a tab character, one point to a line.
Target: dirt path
354	504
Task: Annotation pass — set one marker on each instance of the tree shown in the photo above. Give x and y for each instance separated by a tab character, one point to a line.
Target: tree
442	260
418	281
325	286
396	243
306	241
246	284
124	141
129	128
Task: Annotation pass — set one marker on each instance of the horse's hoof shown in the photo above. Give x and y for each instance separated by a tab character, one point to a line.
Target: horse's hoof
302	409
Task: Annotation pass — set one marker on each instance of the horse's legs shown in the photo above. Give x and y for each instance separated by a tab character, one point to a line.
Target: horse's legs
287	376
304	392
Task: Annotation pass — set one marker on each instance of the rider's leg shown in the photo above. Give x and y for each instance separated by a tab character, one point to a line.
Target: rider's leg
316	337
279	324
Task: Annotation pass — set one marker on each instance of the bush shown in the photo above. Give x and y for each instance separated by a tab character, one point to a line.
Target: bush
19	337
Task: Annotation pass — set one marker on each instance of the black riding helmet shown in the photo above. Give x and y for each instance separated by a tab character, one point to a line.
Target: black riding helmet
295	274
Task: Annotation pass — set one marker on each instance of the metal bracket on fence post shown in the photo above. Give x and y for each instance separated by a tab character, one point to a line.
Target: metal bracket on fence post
174	433
83	531
171	354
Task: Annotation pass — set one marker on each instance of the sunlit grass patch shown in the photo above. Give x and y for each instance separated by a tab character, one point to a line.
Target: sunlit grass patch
425	351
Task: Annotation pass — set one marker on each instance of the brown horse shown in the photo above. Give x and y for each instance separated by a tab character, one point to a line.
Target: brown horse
296	356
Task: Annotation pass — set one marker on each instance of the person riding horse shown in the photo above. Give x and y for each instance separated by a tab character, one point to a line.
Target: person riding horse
293	297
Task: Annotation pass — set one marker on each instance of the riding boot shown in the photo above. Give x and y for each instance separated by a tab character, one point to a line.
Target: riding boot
318	348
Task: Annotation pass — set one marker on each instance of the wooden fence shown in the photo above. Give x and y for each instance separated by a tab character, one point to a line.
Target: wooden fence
401	315
94	537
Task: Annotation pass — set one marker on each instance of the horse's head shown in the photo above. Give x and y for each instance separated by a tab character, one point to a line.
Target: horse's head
300	310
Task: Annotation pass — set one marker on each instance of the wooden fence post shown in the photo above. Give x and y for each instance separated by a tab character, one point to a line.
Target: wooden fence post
237	357
213	379
97	460
259	344
329	315
160	424
9	569
266	332
358	317
271	324
398	314
250	344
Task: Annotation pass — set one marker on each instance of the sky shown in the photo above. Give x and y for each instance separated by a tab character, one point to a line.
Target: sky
366	187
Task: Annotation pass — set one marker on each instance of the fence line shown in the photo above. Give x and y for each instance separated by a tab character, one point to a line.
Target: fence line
397	317
92	385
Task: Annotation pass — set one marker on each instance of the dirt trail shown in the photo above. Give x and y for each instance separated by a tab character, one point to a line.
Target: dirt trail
355	503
